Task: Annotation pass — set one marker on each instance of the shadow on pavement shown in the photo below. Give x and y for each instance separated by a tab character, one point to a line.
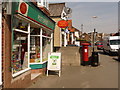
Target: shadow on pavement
103	53
116	59
53	72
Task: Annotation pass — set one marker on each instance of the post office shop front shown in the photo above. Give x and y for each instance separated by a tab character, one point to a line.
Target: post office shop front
32	40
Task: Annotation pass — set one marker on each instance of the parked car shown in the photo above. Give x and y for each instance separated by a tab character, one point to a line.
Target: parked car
71	45
99	45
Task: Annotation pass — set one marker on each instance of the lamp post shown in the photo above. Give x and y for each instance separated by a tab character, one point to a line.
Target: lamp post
94	39
94	33
81	28
81	31
95	56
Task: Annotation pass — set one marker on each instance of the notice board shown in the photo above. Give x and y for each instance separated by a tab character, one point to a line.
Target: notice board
54	62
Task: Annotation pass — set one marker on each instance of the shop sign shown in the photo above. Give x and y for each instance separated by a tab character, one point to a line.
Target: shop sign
69	24
54	61
72	30
23	8
28	10
62	24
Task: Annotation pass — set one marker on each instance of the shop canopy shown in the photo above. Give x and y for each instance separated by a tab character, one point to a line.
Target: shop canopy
29	12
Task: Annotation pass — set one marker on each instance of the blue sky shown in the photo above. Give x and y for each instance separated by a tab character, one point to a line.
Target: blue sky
107	13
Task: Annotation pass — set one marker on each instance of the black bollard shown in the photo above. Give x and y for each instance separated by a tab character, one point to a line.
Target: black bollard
95	59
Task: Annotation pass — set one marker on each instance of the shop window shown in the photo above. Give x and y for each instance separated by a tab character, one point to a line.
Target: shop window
46	33
19	52
46	47
35	50
46	44
35	46
34	31
19	24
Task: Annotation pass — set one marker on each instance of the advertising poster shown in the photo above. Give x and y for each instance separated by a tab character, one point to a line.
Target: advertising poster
54	62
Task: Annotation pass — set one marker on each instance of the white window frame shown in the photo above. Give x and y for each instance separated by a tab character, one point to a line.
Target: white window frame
27	69
42	3
41	52
50	37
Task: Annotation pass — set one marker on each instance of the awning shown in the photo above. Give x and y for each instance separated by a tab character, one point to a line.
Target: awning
31	13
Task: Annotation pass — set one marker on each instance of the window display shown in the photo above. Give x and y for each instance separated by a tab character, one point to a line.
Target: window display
39	45
19	58
19	51
46	33
35	49
19	24
46	45
35	46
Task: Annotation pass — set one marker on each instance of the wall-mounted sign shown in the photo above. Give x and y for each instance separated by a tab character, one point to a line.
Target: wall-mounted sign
29	10
54	62
72	30
62	24
23	8
69	24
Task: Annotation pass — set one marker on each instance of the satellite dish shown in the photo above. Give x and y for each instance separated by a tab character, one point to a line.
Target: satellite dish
67	10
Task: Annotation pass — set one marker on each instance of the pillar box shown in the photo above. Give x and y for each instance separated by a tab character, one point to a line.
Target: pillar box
85	58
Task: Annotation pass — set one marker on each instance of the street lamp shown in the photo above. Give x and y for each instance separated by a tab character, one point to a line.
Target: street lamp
81	27
81	30
94	33
95	57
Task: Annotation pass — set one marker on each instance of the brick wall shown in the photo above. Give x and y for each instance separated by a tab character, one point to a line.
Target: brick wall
6	54
21	81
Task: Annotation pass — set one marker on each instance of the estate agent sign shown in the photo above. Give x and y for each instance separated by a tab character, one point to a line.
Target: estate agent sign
54	62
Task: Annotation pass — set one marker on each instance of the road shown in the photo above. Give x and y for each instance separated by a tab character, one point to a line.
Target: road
103	76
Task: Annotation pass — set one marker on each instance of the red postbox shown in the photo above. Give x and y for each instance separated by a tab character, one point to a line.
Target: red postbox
85	59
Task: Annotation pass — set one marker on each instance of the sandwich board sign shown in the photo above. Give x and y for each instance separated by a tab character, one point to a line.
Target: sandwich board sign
54	62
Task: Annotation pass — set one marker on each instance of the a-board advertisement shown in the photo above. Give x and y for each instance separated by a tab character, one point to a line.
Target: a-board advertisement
54	61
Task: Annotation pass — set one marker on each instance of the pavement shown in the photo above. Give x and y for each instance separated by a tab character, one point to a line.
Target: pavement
103	76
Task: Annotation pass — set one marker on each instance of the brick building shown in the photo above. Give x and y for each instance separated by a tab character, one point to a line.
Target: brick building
27	36
55	14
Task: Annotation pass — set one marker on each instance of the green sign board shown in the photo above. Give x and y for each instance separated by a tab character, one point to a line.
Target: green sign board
29	10
54	57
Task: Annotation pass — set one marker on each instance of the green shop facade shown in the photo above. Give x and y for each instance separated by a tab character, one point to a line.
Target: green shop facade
31	41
